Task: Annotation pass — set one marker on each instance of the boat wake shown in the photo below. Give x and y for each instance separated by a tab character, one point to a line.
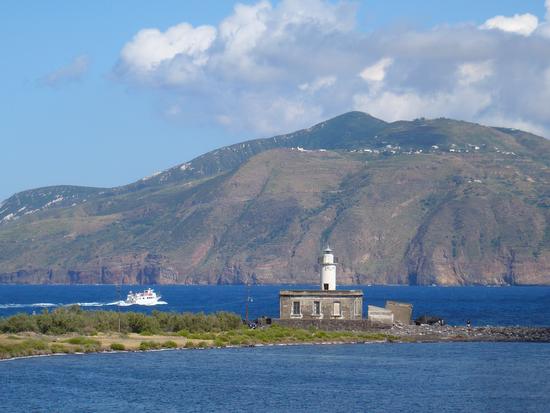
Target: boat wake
41	305
83	304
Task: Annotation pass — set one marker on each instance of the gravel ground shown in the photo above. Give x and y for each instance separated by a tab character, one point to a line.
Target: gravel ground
427	333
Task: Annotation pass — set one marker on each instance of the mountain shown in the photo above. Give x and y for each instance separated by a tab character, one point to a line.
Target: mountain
420	202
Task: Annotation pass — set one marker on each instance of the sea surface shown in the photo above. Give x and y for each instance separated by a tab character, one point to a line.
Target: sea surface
526	306
435	377
439	377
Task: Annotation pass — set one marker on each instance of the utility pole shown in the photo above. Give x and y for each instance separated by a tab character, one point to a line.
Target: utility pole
118	288
247	301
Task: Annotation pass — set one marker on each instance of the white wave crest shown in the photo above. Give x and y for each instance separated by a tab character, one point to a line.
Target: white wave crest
13	305
80	304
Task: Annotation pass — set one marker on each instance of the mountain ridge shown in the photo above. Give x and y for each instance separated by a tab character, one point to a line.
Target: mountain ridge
335	181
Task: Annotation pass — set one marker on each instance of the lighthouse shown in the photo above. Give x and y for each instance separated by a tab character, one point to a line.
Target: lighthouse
322	308
328	270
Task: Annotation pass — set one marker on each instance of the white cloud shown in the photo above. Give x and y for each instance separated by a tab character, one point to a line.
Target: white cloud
392	106
241	32
74	71
318	84
469	73
544	27
269	68
150	48
377	71
514	123
523	24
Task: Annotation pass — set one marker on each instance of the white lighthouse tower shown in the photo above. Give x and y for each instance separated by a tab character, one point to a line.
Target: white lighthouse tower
328	270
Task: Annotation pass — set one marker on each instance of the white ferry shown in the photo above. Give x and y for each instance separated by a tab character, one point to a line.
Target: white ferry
147	297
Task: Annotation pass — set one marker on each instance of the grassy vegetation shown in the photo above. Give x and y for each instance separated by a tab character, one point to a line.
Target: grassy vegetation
75	320
283	335
49	333
117	347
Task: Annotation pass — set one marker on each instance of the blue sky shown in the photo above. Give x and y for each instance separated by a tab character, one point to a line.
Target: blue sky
89	98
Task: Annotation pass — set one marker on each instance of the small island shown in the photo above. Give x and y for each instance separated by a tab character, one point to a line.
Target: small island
70	330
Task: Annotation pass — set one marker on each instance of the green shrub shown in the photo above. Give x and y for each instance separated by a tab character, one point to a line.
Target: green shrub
19	323
149	345
138	323
117	347
170	344
59	348
82	341
219	342
24	348
74	320
235	341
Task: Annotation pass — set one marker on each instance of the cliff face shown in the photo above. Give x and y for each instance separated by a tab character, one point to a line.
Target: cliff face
418	202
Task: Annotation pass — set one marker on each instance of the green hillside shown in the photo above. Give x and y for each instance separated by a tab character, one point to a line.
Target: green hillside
428	201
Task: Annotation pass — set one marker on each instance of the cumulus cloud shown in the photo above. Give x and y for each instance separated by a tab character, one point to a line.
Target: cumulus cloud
469	73
317	84
544	27
392	106
271	68
71	72
376	72
523	24
150	48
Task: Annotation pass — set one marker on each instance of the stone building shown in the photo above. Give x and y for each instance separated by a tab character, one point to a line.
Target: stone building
327	303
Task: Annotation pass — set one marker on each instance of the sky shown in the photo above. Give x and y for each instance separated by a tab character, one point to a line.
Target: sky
104	93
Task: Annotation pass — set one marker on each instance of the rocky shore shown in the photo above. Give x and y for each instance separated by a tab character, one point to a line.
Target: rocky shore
427	333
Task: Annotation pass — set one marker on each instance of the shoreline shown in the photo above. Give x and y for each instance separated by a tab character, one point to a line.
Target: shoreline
50	345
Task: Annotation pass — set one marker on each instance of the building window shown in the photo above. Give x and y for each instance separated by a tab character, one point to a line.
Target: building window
296	308
325	287
316	308
336	309
358	308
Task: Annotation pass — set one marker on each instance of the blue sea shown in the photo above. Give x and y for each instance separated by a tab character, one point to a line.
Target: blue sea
435	377
526	306
442	377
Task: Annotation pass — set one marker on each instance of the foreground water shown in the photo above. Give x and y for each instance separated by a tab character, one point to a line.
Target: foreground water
443	377
526	306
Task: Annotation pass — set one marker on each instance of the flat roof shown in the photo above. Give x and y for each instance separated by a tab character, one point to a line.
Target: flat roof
321	293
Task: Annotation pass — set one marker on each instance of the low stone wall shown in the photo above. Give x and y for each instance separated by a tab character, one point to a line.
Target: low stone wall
330	325
402	312
380	316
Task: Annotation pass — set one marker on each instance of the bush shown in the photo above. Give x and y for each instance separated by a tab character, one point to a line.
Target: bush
59	348
74	320
118	347
138	323
19	323
82	341
220	342
23	348
149	345
170	344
